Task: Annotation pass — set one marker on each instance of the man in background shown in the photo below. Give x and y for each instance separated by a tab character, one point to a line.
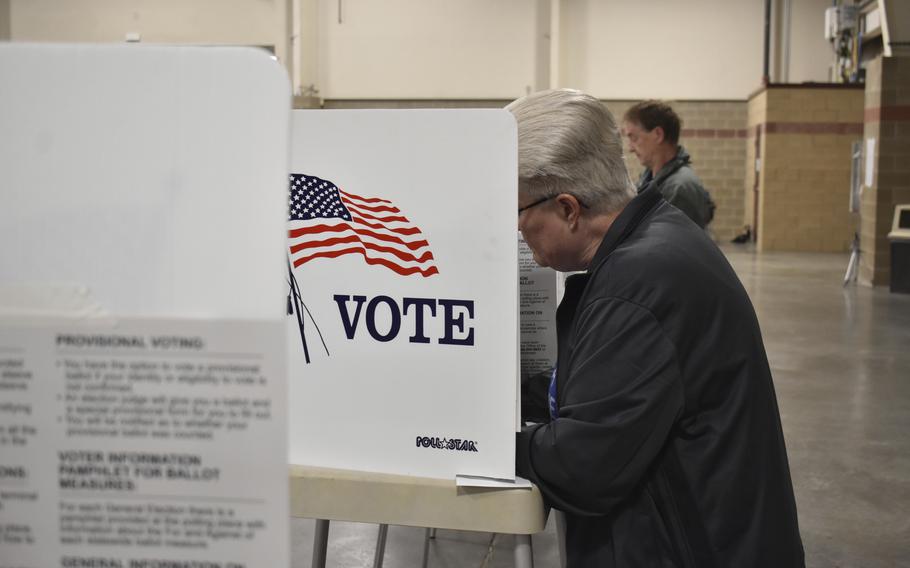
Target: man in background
652	129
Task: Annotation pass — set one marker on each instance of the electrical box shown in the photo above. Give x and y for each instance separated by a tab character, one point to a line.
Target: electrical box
839	19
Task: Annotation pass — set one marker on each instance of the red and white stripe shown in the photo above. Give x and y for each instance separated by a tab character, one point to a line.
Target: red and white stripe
379	232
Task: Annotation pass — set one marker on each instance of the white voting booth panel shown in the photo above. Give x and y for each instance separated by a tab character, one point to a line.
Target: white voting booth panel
142	230
402	241
145	174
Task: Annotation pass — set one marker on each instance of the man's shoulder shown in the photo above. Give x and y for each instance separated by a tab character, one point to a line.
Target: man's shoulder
684	177
660	254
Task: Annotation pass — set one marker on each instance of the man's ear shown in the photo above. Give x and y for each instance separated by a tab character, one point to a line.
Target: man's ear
659	134
569	208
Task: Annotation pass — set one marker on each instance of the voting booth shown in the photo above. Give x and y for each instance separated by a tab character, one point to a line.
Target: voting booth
402	277
199	287
142	359
403	325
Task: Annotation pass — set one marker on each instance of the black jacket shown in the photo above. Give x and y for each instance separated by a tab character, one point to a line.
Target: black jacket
667	450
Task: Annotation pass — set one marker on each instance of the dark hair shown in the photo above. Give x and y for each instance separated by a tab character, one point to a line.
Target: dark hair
651	114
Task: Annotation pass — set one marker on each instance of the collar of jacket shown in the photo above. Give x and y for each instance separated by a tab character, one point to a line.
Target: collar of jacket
649	178
626	222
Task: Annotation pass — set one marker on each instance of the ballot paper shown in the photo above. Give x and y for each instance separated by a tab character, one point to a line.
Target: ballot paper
474	481
142	443
869	168
538	290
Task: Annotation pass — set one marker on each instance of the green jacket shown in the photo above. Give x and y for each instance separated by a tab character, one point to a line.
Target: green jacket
679	185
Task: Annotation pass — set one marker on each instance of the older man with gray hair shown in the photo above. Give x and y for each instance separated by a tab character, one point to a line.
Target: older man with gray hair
664	446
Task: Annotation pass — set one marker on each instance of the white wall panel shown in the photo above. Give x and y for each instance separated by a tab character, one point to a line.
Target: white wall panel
427	48
699	49
810	53
204	22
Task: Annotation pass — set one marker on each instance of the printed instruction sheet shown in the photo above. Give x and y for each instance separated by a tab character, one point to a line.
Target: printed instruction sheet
537	312
143	443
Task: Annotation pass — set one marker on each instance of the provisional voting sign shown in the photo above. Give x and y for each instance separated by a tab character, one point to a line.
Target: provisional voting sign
402	291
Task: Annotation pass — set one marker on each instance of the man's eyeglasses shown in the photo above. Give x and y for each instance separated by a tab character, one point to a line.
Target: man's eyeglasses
536	203
545	199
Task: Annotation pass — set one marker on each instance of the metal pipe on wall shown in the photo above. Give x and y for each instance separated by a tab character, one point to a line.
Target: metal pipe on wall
785	42
294	63
555	23
4	20
766	78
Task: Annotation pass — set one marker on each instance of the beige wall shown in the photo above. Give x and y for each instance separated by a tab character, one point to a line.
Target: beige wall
810	53
207	22
628	49
427	49
804	183
700	49
464	49
614	49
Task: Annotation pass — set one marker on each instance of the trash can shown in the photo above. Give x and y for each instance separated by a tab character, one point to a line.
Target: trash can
900	250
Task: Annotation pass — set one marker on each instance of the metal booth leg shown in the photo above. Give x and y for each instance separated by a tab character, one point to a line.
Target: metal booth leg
524	556
320	543
380	545
428	534
561	536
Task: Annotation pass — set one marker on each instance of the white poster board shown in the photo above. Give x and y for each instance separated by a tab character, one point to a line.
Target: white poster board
141	174
143	417
402	234
120	444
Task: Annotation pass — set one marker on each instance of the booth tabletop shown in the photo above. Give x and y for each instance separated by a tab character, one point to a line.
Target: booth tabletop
342	495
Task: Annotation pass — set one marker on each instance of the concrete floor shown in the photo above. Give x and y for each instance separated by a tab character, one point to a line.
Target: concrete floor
841	363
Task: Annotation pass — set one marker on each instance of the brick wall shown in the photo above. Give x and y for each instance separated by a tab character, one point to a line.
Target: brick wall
804	181
887	121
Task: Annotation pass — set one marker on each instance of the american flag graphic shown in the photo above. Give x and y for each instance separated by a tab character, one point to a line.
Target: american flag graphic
326	222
